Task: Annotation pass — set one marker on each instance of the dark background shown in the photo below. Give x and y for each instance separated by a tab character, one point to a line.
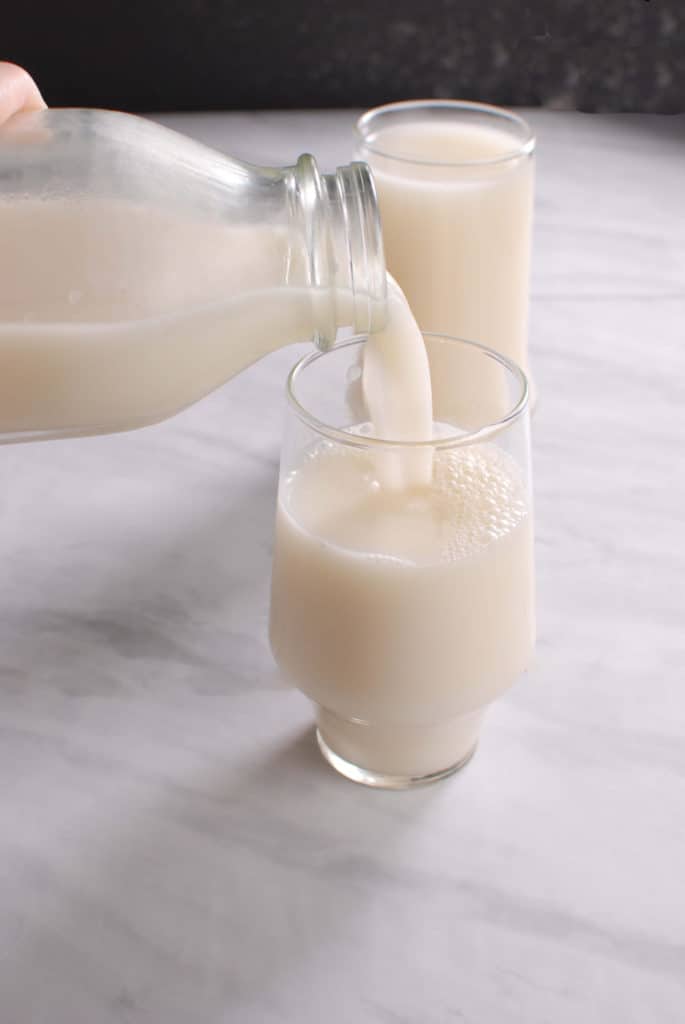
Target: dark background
599	55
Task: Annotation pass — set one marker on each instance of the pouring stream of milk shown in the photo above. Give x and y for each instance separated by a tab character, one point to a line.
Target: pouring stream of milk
396	385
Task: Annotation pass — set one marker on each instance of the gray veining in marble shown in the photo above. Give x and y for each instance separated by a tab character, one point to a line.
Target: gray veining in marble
172	850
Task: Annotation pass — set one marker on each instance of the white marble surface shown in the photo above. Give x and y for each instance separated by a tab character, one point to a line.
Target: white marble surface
172	850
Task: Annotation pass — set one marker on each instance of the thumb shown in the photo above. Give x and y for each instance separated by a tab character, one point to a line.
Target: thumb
18	91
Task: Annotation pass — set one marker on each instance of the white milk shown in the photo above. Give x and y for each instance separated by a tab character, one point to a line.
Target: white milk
396	386
114	315
408	610
457	239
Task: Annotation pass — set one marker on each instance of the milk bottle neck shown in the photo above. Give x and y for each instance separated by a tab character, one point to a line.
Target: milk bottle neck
335	224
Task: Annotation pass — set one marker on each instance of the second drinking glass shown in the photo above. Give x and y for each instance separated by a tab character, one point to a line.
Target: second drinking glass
455	189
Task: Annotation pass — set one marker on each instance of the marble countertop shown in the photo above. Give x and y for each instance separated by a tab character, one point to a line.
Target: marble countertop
172	848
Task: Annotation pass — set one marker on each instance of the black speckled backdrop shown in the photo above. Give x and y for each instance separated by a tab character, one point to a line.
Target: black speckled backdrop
599	55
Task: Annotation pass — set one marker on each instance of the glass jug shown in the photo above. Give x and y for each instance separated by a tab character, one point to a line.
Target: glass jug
139	270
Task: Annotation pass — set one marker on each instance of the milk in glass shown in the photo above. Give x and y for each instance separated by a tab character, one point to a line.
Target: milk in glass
456	200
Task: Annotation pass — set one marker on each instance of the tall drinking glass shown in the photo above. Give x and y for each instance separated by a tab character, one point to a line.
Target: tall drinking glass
403	614
455	188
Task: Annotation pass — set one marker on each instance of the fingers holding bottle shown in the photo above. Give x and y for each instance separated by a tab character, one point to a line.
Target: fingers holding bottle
18	91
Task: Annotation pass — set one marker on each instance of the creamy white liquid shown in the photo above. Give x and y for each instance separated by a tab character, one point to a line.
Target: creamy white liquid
408	610
396	386
114	315
457	239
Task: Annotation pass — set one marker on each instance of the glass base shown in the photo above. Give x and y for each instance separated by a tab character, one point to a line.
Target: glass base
380	780
394	756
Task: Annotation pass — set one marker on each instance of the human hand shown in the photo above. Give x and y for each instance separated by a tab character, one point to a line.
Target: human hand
18	91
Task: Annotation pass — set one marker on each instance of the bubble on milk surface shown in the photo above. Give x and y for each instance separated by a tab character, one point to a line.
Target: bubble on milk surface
482	494
477	496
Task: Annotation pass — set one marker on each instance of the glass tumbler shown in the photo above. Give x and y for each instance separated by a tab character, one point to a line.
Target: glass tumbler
403	613
455	189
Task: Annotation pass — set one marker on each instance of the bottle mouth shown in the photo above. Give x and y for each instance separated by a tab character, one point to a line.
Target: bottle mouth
367	273
344	248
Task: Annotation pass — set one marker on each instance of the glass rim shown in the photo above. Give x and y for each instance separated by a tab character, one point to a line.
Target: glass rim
342	436
525	148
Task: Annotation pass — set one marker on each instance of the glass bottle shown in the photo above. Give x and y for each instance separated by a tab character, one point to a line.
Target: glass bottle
139	270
